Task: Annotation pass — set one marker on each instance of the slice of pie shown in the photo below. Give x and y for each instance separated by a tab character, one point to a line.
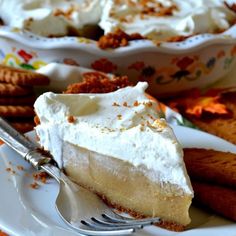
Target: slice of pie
117	145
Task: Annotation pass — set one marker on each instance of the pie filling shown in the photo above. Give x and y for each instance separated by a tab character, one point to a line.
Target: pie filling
126	186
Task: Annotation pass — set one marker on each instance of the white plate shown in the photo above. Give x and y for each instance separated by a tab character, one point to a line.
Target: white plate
26	211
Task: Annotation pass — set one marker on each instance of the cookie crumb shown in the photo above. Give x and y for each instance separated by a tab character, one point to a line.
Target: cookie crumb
20	167
71	119
8	169
41	176
34	185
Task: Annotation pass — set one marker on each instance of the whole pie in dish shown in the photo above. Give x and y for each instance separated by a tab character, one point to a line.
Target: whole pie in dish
155	19
117	145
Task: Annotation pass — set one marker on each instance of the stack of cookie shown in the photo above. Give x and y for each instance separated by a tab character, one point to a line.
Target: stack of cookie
213	177
17	95
212	173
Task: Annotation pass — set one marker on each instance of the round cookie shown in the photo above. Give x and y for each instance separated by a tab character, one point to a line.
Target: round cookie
12	90
16	111
20	100
22	77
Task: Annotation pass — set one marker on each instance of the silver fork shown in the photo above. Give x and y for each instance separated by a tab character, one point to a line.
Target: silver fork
81	209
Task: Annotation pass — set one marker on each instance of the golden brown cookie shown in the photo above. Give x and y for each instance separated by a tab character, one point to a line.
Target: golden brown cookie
220	199
20	100
23	126
211	166
22	77
222	127
14	90
16	111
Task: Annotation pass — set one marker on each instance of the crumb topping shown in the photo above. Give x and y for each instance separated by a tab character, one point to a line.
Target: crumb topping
117	39
98	83
151	117
125	104
145	8
71	119
115	104
135	104
119	117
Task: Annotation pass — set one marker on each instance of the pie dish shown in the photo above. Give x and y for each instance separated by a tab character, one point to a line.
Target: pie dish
168	67
200	52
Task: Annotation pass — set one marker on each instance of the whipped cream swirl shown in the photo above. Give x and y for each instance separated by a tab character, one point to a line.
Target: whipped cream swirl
50	17
162	19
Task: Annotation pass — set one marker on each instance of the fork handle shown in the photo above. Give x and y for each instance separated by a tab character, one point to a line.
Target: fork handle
27	149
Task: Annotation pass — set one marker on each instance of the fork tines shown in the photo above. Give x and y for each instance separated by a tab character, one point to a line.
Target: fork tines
115	225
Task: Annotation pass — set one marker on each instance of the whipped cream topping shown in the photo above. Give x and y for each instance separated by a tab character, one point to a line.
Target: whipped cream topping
50	17
156	19
123	124
162	19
